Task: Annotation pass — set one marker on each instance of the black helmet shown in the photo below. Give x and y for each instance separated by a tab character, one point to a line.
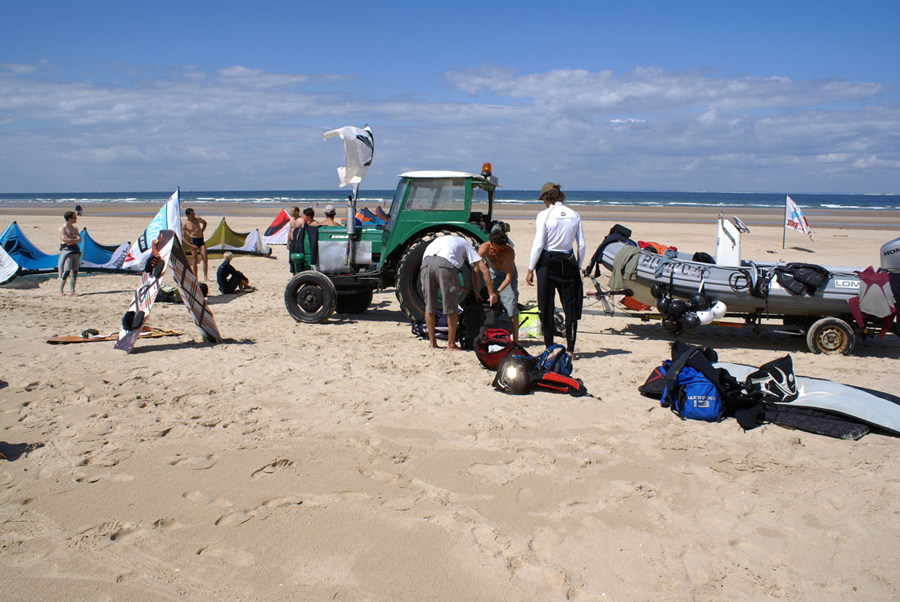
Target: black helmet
700	302
677	308
658	291
512	375
663	305
671	325
690	321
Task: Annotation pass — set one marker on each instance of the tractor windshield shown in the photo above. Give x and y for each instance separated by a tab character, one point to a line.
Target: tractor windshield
438	194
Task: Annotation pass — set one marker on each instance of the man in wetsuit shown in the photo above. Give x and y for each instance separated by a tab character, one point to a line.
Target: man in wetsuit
558	232
192	229
69	251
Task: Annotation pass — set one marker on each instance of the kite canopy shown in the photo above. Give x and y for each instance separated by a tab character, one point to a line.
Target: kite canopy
31	259
94	256
224	239
367	218
278	230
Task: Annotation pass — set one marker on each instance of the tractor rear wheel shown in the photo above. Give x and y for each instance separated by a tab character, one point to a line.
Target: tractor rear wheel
310	297
409	290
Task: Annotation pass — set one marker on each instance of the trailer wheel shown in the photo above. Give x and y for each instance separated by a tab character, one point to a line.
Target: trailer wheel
353	303
830	336
310	297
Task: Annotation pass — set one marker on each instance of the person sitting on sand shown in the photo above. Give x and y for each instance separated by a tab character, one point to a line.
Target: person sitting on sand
329	217
69	251
193	228
229	279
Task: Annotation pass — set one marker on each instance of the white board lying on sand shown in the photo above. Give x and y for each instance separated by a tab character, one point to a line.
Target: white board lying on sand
882	410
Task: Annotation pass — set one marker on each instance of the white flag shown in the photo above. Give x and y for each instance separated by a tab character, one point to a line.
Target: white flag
793	218
359	146
168	218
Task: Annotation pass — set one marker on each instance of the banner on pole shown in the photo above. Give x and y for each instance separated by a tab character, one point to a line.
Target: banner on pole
359	147
793	218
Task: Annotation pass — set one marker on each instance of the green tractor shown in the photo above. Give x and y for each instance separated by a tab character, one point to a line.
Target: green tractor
340	268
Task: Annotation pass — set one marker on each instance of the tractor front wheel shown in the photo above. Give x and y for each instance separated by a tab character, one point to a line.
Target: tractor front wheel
310	297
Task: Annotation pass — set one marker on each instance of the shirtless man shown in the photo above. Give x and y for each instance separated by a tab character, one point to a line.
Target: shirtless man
297	222
329	217
501	260
193	229
69	251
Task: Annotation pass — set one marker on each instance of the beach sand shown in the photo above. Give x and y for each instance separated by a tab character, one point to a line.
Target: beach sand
347	461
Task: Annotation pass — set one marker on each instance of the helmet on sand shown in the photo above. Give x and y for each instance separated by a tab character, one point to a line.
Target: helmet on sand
512	375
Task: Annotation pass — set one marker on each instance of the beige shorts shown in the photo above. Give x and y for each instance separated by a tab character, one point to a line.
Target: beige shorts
439	274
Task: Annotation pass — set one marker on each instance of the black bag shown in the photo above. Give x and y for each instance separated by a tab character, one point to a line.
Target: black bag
802	278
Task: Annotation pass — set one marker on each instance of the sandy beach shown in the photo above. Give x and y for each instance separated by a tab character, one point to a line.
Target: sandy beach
347	461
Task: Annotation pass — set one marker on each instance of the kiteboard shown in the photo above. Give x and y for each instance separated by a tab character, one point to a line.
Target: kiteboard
146	292
191	295
147	332
9	269
872	407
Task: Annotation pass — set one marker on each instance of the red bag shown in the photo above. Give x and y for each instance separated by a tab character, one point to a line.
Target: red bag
492	346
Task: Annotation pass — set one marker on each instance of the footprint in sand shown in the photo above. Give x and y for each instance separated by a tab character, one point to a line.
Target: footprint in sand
112	478
228	556
271	468
235	518
204	500
203	462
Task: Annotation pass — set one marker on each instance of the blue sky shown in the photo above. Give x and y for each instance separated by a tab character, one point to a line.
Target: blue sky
639	95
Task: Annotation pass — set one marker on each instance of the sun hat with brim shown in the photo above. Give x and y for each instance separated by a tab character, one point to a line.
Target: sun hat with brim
548	187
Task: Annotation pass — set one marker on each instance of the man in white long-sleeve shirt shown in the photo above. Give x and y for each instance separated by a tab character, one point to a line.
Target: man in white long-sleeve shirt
558	233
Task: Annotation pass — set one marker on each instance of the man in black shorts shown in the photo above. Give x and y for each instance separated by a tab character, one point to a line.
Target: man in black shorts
192	229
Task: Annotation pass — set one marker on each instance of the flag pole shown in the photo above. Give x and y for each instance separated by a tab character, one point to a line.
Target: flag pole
784	223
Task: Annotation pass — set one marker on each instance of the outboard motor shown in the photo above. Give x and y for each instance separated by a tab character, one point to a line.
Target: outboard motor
890	256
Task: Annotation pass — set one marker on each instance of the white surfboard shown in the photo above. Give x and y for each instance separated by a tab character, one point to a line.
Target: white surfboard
882	412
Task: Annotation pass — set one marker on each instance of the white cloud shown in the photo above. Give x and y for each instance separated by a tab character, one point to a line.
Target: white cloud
240	127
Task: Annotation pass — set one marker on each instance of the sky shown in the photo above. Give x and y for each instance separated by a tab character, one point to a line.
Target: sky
763	96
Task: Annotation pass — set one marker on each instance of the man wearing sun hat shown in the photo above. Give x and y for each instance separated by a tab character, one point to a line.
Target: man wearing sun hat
329	217
553	256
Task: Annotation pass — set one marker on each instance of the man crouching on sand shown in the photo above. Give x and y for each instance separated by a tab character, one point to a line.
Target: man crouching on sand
441	264
193	228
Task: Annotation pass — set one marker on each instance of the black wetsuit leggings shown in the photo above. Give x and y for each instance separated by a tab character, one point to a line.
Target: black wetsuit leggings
558	272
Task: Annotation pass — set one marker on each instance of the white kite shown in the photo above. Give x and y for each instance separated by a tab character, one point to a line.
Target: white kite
168	218
359	146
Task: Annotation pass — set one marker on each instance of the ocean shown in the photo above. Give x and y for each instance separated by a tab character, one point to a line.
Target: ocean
302	198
